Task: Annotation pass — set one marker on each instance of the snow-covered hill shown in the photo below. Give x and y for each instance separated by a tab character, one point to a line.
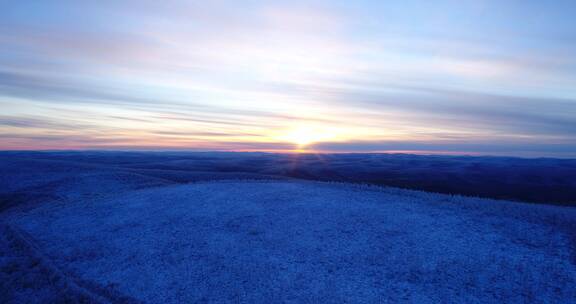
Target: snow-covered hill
300	242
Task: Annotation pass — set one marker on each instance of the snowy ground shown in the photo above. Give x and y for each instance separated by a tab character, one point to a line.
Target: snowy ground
187	228
542	180
303	242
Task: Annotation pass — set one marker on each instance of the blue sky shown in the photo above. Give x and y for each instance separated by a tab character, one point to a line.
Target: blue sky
485	77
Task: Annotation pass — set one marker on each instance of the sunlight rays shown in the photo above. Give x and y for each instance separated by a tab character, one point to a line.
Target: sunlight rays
302	136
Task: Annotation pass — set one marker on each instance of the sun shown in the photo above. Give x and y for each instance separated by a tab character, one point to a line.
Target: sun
304	136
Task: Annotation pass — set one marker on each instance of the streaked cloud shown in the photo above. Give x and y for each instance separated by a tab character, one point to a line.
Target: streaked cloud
223	75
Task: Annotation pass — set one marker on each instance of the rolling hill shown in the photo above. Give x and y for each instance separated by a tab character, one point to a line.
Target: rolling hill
252	241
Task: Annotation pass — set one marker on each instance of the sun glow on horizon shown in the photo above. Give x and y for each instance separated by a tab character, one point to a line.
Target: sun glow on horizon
305	135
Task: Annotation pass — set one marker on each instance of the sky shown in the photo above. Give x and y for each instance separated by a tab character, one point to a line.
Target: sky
494	77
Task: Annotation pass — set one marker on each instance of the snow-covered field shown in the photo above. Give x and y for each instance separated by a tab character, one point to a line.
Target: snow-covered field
307	242
100	233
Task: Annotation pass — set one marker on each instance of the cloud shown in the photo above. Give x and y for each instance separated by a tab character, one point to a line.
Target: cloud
224	73
519	115
491	147
26	122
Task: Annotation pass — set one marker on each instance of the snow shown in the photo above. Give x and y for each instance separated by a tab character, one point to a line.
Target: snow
304	242
534	180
